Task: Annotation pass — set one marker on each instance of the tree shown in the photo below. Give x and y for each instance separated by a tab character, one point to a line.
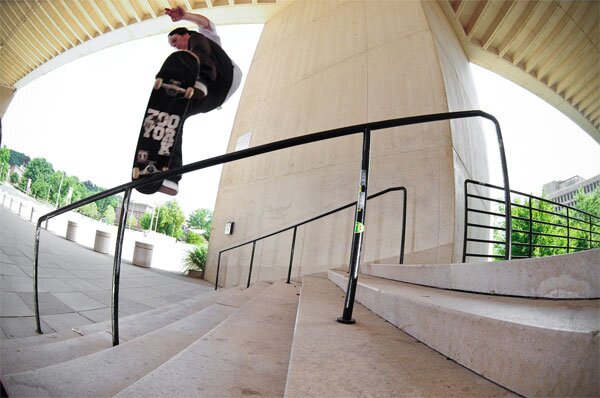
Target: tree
201	219
4	162
18	158
14	178
109	215
170	220
38	168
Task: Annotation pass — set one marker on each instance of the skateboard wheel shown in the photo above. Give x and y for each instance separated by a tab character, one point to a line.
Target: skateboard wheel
135	173
157	83
189	92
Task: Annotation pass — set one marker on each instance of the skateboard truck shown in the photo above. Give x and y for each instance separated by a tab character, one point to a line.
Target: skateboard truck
150	169
187	92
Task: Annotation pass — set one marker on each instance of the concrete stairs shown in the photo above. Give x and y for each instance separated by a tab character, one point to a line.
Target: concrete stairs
283	340
531	345
88	365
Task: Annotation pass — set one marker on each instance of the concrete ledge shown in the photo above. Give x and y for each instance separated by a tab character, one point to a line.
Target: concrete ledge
568	276
530	346
369	359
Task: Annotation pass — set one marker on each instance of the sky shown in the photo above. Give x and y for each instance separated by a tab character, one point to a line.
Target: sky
85	116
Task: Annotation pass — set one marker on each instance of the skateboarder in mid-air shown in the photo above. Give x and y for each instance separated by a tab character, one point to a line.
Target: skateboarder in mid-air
218	77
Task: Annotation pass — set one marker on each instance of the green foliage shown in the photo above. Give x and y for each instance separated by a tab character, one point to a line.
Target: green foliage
18	158
4	162
145	221
201	219
170	220
194	239
89	210
195	259
14	178
38	169
109	215
550	230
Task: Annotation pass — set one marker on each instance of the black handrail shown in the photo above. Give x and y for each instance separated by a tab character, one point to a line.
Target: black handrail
365	129
593	237
295	227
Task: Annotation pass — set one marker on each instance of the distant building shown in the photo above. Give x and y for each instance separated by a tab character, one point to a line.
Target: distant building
135	213
20	170
564	192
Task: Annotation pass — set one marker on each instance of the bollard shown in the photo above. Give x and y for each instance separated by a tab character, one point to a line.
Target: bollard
102	242
20	208
71	231
32	213
142	254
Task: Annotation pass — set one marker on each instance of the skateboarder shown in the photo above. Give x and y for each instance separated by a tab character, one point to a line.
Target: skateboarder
218	79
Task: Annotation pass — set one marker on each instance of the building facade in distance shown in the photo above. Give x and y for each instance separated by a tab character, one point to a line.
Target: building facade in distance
564	192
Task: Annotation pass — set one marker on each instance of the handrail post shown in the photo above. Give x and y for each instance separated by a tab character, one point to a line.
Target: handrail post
568	232
507	200
530	228
464	256
403	225
117	266
218	268
36	253
251	262
359	229
292	255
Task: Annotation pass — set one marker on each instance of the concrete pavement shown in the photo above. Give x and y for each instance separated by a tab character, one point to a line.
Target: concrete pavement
75	282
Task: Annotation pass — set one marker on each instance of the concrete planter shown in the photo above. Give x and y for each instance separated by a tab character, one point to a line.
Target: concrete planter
195	274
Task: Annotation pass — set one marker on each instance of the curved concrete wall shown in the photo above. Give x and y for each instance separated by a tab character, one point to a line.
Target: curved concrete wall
324	65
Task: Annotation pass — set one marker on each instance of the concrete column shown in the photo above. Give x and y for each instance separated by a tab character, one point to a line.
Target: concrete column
322	65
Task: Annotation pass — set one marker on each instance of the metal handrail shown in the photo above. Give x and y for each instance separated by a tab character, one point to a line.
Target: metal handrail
295	226
365	129
592	234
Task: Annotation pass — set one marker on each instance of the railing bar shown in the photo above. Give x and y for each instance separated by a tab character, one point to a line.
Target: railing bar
499	242
491	213
530	196
484	198
316	218
484	255
487	226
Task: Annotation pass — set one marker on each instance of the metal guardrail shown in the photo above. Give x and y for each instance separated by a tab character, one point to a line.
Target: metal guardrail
295	228
364	129
566	222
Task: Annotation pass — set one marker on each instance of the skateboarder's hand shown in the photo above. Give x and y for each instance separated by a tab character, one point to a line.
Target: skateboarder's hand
176	14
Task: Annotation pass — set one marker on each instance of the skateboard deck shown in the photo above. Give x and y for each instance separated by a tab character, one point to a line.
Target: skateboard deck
164	117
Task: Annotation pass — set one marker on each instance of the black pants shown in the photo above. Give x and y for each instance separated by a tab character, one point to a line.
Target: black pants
214	99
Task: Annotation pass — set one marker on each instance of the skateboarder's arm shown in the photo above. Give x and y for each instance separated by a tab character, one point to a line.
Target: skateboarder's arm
178	14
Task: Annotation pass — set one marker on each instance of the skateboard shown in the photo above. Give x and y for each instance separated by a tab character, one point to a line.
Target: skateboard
164	117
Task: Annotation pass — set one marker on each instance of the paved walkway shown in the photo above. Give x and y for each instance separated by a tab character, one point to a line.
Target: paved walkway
74	282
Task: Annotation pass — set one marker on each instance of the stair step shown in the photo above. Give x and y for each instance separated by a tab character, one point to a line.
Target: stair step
568	276
248	354
534	347
129	326
107	372
369	358
87	341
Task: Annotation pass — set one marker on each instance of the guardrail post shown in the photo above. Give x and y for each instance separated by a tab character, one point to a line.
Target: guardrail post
292	255
403	238
117	266
530	229
359	229
218	267
36	252
251	262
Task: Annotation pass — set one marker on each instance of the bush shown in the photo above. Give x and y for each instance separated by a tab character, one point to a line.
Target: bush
194	239
196	258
